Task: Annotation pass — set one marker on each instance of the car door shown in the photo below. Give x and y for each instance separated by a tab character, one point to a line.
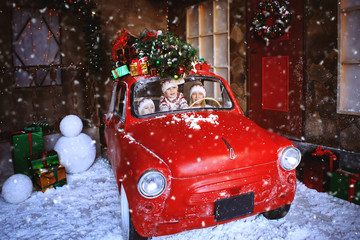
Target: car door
116	125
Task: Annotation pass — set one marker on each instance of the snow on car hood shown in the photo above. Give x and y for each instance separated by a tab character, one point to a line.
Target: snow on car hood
194	144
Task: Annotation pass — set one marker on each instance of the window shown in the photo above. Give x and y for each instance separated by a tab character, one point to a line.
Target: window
349	57
208	30
148	92
120	104
36	47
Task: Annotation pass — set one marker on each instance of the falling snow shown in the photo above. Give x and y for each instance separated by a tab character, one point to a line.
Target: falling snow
89	208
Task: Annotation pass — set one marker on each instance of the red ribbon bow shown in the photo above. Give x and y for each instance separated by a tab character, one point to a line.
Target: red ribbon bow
120	42
320	152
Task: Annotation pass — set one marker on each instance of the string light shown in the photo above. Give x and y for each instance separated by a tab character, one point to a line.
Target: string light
167	16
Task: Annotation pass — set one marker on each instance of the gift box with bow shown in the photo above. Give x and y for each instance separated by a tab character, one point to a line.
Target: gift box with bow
139	67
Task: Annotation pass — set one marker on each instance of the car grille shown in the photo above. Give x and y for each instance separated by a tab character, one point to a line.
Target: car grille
213	189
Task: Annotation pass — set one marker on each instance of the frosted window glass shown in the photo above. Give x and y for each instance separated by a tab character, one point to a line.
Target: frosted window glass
221	16
194	42
193	21
350	89
351	36
36	44
206	15
222	72
206	49
221	49
350	3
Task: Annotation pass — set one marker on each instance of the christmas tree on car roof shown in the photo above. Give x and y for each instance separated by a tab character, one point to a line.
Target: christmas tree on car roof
163	53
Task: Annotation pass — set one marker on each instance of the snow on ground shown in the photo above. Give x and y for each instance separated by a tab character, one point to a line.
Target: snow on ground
89	208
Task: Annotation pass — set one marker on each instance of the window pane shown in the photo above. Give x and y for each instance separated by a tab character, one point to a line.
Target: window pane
350	88
50	77
193	21
221	50
206	16
221	16
222	72
120	103
36	43
350	3
206	49
351	36
24	79
194	42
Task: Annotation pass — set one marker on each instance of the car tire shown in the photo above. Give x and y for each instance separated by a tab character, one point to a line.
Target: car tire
127	225
277	213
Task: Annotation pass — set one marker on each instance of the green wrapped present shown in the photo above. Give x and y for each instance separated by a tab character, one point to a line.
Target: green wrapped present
345	184
25	144
120	72
44	160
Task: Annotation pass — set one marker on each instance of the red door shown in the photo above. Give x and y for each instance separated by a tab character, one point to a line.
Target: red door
276	75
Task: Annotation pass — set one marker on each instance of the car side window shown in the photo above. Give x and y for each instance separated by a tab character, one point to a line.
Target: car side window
120	102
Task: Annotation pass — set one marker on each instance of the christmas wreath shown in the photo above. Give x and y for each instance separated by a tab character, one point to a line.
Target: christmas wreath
279	11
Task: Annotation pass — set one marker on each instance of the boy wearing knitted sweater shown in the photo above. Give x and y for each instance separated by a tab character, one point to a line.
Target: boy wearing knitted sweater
172	99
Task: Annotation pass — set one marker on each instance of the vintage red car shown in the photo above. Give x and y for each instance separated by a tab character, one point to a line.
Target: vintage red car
193	167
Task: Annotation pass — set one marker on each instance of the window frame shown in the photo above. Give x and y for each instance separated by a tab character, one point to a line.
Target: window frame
213	34
120	114
223	93
32	70
341	81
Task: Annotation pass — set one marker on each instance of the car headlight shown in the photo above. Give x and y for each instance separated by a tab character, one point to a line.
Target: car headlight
290	158
151	184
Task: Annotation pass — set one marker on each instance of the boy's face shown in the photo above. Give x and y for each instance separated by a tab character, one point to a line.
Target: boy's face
171	92
147	109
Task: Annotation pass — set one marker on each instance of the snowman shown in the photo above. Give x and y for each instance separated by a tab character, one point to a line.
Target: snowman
76	150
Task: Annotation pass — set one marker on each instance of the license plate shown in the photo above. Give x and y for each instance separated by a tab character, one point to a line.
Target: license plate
233	207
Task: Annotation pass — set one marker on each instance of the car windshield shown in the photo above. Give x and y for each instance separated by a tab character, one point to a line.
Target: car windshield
156	96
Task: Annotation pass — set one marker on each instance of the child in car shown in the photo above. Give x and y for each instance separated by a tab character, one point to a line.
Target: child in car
172	99
146	106
197	92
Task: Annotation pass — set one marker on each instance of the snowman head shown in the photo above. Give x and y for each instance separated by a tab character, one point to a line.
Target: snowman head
71	126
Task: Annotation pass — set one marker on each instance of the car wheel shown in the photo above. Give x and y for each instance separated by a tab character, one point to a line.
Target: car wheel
127	225
277	213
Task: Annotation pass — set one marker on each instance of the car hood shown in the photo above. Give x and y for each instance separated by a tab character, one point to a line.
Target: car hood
194	144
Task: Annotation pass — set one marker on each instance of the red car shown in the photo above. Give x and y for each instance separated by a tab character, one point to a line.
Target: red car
186	166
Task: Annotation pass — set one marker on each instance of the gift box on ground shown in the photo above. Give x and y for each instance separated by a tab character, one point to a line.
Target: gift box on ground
26	143
345	184
44	160
317	168
50	177
139	67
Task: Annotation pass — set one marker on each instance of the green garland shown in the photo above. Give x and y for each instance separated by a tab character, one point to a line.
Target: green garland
86	10
280	11
166	54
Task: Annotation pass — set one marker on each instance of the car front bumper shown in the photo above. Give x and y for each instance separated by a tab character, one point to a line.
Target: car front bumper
194	202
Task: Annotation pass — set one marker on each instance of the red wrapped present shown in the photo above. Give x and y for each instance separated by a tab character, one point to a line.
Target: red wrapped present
317	167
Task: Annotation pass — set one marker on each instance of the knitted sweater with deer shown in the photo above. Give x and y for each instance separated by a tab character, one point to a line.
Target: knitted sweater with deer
177	103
